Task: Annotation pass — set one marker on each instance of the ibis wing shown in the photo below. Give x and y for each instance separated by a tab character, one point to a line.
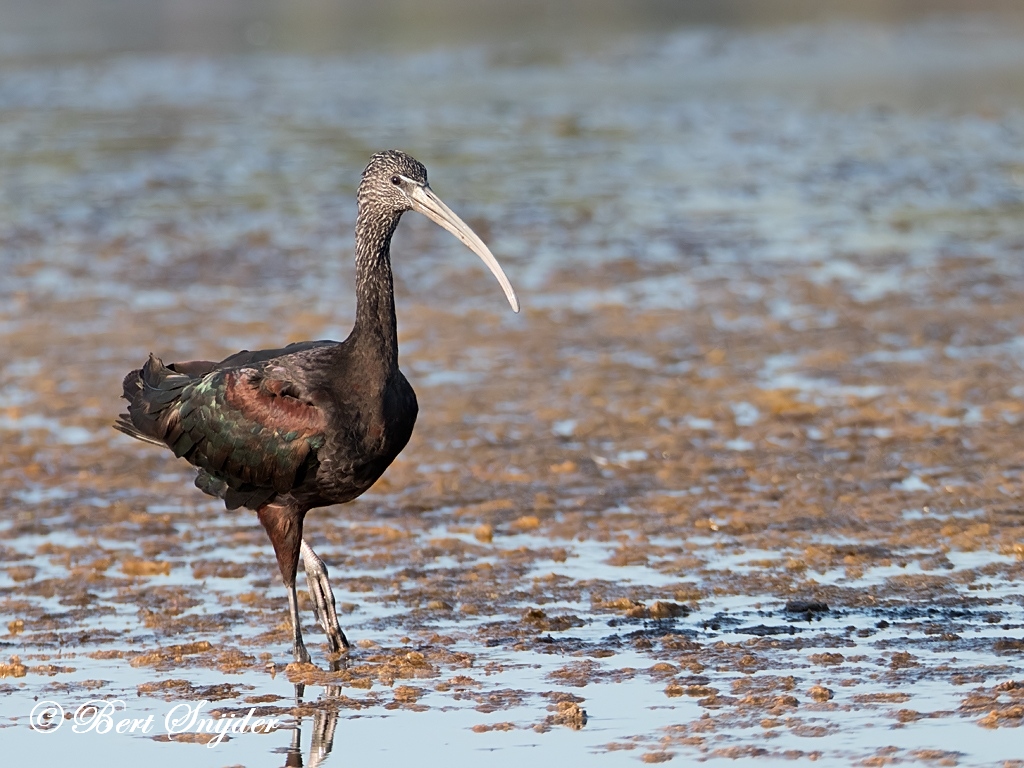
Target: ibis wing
249	427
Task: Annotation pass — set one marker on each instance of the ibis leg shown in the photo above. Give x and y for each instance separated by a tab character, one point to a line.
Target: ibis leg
283	525
298	647
323	598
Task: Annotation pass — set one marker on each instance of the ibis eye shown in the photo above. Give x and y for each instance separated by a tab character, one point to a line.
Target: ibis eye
395	180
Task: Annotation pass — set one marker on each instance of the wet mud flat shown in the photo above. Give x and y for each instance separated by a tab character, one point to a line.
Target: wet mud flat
713	538
743	481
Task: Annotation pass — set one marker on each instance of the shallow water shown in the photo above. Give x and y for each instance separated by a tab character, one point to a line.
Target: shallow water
742	481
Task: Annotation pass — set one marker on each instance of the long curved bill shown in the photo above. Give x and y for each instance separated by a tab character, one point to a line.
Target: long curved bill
430	205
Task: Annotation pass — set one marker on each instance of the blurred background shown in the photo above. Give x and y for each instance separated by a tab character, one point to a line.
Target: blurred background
192	136
94	27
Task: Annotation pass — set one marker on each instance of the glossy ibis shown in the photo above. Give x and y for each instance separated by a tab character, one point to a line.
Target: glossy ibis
282	431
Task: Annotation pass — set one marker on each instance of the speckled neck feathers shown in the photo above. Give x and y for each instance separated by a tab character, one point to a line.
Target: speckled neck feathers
381	204
375	326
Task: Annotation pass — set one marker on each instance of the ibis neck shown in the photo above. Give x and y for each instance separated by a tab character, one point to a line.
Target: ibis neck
376	329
